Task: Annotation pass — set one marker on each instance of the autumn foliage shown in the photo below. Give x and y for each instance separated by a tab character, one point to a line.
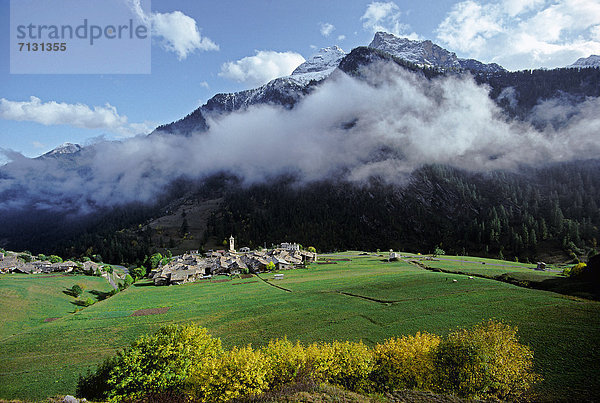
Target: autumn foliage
486	361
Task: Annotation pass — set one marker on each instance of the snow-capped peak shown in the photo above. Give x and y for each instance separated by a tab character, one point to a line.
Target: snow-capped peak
592	61
424	53
66	148
428	54
325	59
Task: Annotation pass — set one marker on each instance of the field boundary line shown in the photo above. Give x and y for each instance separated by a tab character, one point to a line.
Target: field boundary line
273	285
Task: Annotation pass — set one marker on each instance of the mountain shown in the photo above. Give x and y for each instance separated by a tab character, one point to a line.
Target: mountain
592	61
146	198
427	54
283	91
287	91
64	149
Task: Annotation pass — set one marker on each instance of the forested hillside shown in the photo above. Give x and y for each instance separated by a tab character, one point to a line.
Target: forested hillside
529	215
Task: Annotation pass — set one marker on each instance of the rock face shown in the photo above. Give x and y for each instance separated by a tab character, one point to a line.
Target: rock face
477	66
427	54
592	61
424	53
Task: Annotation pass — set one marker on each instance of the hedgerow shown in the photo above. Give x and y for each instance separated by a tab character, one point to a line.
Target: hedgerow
486	361
406	363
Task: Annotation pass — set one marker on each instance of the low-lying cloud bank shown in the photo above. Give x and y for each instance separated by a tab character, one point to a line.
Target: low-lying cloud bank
386	125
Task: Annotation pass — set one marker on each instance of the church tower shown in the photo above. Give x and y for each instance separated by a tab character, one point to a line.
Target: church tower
231	244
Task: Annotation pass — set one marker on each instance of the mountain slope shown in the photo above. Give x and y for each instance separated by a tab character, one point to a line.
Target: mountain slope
592	61
427	54
283	91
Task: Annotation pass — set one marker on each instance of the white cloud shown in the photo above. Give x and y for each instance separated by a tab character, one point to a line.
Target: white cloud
204	84
37	144
516	7
327	29
261	68
77	115
385	16
523	33
176	31
595	33
469	26
341	37
180	34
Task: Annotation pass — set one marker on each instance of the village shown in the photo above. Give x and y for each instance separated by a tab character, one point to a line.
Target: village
189	267
12	262
193	266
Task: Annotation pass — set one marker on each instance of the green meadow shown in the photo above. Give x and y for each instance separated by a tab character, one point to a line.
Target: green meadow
365	299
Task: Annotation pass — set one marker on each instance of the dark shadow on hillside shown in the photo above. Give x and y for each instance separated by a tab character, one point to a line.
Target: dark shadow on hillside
579	287
70	292
100	295
575	287
80	303
144	284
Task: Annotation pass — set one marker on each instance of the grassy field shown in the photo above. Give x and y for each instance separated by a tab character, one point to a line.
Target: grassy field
26	302
366	299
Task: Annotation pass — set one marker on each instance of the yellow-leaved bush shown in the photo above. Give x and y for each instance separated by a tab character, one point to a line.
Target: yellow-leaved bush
152	364
287	362
486	361
406	362
341	363
238	372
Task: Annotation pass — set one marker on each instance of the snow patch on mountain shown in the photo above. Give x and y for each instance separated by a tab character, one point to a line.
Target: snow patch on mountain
66	148
427	54
319	66
592	61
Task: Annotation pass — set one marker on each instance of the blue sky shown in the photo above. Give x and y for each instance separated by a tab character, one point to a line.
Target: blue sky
200	48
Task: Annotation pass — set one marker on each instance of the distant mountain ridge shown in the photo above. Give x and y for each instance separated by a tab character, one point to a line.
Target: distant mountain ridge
287	91
64	149
592	61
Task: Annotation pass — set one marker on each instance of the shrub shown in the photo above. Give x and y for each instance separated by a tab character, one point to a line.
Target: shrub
138	272
89	302
54	259
94	385
128	281
287	362
76	290
25	257
159	362
575	271
486	361
341	363
238	372
406	363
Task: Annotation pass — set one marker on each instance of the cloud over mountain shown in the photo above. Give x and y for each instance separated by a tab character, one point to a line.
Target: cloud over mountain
261	68
386	17
386	124
523	34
